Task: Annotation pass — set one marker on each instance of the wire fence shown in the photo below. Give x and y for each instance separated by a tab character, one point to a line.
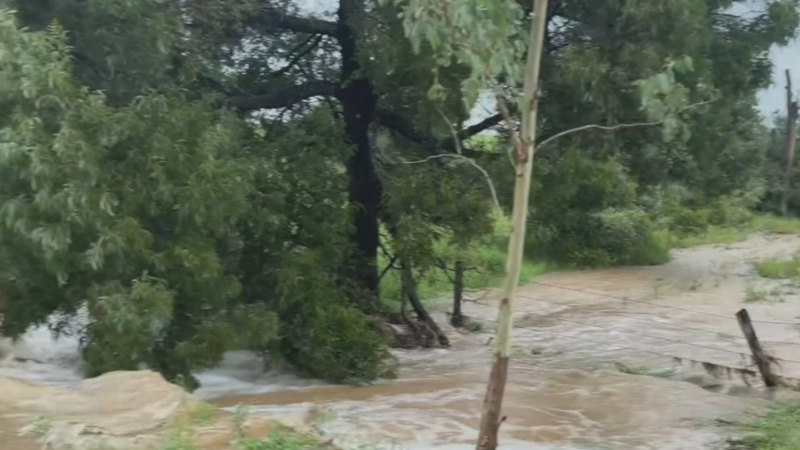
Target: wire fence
659	305
742	350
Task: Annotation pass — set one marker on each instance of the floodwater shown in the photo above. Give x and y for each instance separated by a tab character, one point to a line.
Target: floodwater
602	359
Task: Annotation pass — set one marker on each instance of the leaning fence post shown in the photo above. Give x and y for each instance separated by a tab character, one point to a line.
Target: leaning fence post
759	357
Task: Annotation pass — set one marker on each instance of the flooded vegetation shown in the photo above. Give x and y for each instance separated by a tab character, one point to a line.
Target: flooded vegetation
621	358
413	224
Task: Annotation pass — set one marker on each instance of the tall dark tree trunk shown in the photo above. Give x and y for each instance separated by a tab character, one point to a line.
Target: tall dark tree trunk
358	100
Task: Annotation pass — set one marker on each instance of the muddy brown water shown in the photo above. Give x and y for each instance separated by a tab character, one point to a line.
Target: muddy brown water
593	366
573	333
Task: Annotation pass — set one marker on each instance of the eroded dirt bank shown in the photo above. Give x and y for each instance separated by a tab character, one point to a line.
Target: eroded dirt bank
593	368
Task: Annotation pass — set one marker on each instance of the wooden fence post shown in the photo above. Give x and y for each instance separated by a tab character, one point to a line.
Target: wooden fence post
759	356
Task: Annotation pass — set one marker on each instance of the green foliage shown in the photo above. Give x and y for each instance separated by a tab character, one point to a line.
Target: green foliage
126	322
172	224
778	225
484	36
593	219
126	190
778	430
320	334
779	269
713	235
122	61
485	258
118	207
753	295
279	441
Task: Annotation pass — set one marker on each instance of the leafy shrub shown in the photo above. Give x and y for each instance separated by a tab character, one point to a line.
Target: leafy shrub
171	223
320	333
592	219
119	209
336	343
729	211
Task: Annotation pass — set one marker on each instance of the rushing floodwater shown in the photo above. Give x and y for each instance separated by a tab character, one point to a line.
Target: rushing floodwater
591	367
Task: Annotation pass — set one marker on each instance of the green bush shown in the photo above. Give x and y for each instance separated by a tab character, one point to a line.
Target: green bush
729	211
116	208
320	333
334	342
688	221
172	222
592	219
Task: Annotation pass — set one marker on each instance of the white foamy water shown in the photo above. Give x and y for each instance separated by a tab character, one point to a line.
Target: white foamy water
39	357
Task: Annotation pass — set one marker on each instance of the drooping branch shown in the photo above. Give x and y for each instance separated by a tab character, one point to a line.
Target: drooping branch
285	97
271	20
399	124
469	161
620	126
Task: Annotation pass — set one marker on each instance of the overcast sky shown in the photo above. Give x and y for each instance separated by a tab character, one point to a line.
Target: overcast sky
774	98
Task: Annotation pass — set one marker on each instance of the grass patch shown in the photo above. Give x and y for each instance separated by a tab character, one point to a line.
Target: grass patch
713	235
777	225
779	270
489	258
204	414
720	235
280	441
753	295
778	430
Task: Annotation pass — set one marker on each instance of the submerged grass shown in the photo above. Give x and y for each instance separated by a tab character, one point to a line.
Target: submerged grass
779	270
778	430
717	235
714	235
281	441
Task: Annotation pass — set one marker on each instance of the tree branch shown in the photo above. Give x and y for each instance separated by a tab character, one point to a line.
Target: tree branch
397	123
271	19
481	126
400	125
388	267
469	161
621	126
285	97
299	53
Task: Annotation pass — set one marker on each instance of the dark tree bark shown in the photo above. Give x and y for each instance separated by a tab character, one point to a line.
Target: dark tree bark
457	319
410	294
359	102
